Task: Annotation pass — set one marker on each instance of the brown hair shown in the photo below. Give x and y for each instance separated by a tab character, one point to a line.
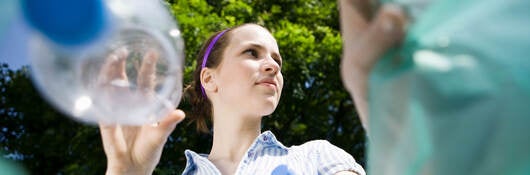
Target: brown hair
201	107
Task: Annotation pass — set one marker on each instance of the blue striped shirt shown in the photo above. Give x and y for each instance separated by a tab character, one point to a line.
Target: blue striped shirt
268	156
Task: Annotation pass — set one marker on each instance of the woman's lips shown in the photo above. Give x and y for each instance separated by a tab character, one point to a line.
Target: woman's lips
269	82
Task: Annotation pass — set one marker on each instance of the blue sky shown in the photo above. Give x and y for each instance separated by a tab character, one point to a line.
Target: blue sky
13	44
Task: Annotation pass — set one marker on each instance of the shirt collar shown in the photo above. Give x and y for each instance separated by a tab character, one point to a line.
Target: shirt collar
266	139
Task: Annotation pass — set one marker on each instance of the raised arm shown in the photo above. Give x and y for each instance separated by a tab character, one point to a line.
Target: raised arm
364	41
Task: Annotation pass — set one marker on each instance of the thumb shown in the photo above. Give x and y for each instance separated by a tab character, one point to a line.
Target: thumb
172	119
164	128
389	26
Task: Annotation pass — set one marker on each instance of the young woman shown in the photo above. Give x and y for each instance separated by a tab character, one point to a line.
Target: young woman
237	81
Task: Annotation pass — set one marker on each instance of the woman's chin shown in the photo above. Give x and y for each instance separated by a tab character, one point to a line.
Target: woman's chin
265	106
268	110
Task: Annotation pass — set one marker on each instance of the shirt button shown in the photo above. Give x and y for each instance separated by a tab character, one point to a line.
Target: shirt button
265	138
249	154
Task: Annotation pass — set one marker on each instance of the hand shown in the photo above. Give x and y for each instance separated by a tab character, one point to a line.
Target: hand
137	149
134	149
364	42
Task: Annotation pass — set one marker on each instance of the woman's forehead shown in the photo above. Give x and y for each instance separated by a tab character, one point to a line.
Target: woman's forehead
253	34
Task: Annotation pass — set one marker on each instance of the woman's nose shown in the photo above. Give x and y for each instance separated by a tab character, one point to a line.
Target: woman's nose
270	66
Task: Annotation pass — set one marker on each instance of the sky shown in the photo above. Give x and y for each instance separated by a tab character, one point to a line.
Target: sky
14	39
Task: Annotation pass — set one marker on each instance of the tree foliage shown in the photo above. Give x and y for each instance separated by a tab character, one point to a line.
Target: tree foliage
313	105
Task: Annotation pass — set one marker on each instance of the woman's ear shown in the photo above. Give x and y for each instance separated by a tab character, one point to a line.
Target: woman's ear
208	80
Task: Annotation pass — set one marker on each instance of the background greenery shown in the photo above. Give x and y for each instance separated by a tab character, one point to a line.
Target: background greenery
314	104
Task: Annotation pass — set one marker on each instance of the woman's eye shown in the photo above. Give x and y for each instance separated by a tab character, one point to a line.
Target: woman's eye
279	62
251	52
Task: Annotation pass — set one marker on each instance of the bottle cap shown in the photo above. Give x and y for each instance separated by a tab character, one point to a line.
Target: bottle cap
67	22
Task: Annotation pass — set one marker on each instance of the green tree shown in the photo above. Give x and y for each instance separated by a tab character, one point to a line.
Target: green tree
42	139
314	104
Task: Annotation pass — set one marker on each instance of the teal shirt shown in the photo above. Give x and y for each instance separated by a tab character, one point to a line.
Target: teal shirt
454	98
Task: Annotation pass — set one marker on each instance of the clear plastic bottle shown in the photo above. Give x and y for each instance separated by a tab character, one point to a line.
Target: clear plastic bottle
453	97
106	61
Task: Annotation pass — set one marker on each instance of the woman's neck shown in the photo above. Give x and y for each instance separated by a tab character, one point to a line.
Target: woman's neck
232	136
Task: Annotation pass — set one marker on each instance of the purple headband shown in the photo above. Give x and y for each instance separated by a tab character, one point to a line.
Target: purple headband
208	50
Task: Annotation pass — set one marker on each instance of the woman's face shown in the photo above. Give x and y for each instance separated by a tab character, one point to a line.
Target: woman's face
249	77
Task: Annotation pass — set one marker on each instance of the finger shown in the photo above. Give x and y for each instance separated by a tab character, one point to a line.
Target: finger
147	72
352	22
384	32
113	70
117	139
366	8
108	138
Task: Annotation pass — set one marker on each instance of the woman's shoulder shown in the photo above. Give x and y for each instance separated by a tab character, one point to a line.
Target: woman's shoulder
317	148
318	142
327	157
315	145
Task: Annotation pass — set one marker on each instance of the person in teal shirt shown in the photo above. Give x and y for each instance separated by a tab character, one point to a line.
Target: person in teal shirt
10	168
448	95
